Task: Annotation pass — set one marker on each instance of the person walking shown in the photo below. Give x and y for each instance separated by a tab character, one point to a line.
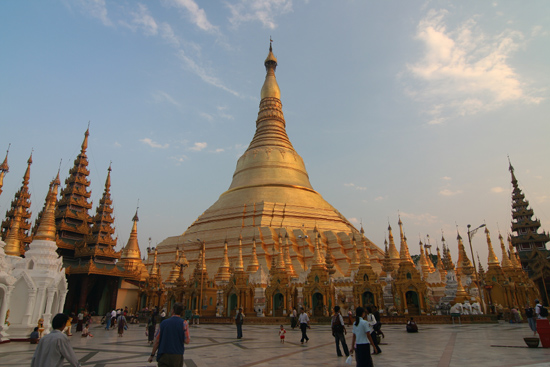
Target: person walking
372	323
113	318
121	322
170	340
303	319
530	313
55	347
361	340
151	327
239	319
293	318
108	320
378	326
339	331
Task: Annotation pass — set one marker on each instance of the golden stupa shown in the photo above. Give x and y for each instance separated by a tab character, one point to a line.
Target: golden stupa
269	198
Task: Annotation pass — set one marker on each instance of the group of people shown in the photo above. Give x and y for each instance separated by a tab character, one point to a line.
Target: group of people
534	314
117	318
367	331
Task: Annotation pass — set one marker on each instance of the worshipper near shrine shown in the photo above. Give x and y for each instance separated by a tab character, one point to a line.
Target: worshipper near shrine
303	319
35	336
239	319
339	331
169	342
411	326
282	333
55	346
372	322
530	314
361	340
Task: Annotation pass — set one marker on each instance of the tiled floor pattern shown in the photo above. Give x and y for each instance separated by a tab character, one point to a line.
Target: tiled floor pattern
496	345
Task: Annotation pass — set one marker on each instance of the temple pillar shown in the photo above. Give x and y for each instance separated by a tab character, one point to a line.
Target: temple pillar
39	305
48	314
30	305
114	292
83	293
4	336
62	298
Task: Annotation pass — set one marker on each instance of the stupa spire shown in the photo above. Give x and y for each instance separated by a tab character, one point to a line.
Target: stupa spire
365	258
463	265
492	259
13	241
46	229
254	265
394	254
131	250
288	260
239	267
404	255
21	203
514	258
223	271
506	263
4	168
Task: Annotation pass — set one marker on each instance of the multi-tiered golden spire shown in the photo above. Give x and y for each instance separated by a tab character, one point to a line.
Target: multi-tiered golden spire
131	254
21	203
463	265
72	218
100	243
423	262
506	263
13	239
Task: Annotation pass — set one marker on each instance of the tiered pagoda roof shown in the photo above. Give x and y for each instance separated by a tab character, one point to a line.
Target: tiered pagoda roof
72	218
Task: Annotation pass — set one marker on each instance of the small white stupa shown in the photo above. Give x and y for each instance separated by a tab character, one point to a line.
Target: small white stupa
40	286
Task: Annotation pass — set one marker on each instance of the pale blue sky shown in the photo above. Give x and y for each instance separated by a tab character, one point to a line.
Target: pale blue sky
409	106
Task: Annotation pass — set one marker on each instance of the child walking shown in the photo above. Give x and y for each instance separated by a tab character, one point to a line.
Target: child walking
282	333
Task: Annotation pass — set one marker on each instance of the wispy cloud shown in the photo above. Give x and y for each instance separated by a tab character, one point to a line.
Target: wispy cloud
179	158
354	220
161	97
446	178
95	9
464	71
447	192
194	13
219	150
203	73
422	218
197	147
154	144
379	198
498	190
263	11
117	144
352	185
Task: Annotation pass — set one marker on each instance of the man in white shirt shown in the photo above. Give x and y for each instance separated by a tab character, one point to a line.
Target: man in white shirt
304	324
55	346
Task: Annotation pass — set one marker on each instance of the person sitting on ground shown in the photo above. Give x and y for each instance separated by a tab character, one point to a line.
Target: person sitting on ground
86	331
35	336
411	326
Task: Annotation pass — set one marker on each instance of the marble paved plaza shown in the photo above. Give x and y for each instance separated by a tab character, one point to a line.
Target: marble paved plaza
216	345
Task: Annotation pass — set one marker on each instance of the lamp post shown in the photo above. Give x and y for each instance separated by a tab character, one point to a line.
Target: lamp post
470	235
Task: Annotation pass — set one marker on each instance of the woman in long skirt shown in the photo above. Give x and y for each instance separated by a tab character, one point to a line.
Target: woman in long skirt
151	324
361	340
121	324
